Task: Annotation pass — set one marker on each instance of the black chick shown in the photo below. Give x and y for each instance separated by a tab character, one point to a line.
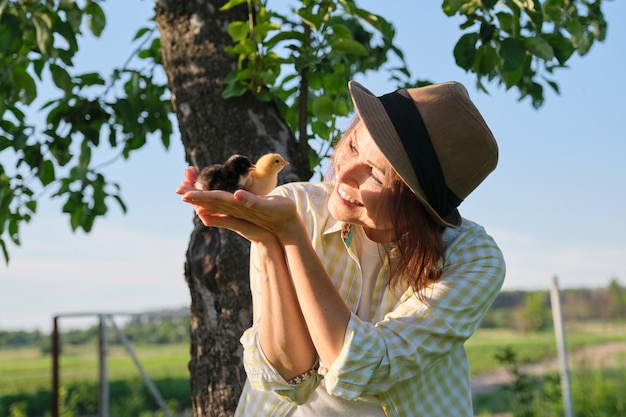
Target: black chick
229	176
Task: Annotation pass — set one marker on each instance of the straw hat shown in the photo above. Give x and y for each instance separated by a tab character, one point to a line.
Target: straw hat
434	138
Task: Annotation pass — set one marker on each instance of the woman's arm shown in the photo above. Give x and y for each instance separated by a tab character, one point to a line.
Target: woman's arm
283	334
323	309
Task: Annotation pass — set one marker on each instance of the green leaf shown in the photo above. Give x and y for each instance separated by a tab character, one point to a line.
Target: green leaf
539	47
553	9
74	15
385	28
562	47
19	139
120	202
97	19
32	155
232	3
32	205
60	148
234	89
450	7
487	59
238	30
61	78
43	26
341	108
323	108
554	86
141	32
99	195
14	231
315	79
486	32
10	32
508	23
261	30
92	78
288	35
46	172
535	12
341	31
244	47
349	46
311	19
321	129
76	214
38	66
536	93
511	78
5	252
465	51
23	79
66	30
512	52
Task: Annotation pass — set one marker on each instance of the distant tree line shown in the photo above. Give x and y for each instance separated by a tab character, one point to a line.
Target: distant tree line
157	327
529	311
525	311
21	338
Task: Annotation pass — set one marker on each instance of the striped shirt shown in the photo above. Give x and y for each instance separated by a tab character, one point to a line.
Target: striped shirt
409	354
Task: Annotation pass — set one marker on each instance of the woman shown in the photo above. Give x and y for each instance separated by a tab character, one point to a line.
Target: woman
366	287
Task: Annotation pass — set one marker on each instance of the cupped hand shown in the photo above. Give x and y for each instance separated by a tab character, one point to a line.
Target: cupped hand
273	213
250	215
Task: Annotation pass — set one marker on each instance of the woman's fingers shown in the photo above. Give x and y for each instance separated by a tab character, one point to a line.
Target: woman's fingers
273	213
244	228
212	200
191	173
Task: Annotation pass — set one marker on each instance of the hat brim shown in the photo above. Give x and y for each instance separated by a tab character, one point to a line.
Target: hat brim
373	114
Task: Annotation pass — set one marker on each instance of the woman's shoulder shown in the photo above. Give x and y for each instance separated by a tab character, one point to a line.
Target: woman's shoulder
468	234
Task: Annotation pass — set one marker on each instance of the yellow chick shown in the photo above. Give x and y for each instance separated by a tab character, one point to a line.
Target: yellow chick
263	177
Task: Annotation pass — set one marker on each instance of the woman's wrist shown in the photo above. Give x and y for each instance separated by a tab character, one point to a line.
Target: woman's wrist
292	231
269	248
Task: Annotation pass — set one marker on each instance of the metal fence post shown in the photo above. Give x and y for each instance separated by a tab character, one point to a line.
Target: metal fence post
54	403
103	391
559	332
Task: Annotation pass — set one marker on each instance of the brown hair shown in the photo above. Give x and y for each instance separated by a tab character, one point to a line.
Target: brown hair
417	250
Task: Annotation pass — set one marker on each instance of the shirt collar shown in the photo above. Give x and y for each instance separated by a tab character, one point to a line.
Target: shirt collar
336	226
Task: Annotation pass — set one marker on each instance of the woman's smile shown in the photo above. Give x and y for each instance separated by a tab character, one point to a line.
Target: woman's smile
346	198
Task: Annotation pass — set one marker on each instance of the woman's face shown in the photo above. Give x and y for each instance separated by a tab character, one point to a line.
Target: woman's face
360	172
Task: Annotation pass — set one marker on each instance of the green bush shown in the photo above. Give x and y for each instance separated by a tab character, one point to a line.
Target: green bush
36	404
80	398
595	392
599	393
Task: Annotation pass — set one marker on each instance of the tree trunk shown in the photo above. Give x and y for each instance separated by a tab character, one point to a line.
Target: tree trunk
193	37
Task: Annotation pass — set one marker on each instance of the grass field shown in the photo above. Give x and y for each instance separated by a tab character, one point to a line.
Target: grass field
28	370
533	347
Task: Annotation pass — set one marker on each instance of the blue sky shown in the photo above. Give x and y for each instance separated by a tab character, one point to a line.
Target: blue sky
555	203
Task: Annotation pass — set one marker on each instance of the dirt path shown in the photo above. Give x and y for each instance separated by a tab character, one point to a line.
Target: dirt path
600	356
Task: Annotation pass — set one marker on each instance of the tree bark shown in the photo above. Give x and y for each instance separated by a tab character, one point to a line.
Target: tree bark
193	37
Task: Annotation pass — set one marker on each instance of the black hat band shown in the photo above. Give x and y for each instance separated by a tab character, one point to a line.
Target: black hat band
412	131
